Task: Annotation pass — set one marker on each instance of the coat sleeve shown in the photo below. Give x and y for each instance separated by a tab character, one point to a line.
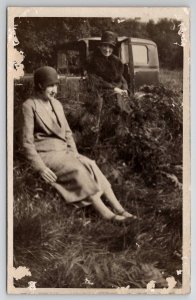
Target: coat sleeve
28	137
69	137
99	82
124	83
95	81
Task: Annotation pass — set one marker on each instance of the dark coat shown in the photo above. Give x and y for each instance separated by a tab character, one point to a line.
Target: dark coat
50	144
107	71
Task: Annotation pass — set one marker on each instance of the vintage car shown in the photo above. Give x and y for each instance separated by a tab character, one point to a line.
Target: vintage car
139	56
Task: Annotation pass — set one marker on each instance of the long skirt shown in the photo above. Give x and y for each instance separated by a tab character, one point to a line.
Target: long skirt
77	178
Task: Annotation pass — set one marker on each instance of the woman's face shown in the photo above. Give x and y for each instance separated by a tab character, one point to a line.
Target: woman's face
106	49
50	92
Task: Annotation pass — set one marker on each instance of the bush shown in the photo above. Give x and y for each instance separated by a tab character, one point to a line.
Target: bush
146	140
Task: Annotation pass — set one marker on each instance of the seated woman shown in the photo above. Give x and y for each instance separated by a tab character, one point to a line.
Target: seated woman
51	150
106	73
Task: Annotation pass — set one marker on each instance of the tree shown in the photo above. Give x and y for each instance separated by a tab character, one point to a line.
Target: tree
165	35
39	36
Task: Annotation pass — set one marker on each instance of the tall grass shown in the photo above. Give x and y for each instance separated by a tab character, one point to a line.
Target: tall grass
70	247
172	79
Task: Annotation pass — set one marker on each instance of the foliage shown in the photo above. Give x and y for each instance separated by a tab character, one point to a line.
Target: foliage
165	34
145	141
40	46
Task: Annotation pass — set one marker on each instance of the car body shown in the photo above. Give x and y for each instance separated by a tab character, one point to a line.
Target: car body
139	56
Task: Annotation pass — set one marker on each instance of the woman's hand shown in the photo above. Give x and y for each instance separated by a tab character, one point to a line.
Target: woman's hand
120	91
125	92
48	175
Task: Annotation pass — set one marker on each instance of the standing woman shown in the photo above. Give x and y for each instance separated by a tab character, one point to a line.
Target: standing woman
51	150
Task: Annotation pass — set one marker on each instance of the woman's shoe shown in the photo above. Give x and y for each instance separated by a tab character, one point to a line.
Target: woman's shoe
118	218
126	214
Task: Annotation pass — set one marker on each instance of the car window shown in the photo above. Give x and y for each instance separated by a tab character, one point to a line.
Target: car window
124	54
140	54
69	62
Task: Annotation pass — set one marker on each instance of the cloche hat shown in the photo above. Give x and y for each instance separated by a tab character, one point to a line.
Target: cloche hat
45	76
109	37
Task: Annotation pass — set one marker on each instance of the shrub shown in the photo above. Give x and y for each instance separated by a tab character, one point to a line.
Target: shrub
146	140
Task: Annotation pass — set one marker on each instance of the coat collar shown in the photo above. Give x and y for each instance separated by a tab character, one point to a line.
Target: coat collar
47	119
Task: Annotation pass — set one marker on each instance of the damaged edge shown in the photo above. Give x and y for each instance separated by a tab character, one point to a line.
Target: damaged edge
186	157
15	70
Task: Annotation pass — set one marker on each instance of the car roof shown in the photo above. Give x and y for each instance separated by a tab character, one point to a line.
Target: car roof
120	39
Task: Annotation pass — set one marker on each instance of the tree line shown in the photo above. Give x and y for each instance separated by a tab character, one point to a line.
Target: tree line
39	36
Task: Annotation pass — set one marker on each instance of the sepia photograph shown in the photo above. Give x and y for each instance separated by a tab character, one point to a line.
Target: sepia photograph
98	158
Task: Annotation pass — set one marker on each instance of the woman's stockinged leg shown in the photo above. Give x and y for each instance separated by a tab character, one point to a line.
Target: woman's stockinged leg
108	192
105	212
110	196
98	204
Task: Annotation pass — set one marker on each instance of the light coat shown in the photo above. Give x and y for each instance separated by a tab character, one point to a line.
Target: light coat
49	143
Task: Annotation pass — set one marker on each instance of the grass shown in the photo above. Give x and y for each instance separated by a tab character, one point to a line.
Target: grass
172	79
67	247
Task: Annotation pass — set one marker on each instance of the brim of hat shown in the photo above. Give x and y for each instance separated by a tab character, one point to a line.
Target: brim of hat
107	43
53	82
49	83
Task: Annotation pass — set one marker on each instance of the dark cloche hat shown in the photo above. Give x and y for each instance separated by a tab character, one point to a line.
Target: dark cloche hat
109	37
45	76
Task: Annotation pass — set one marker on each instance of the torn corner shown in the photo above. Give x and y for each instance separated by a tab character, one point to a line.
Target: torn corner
178	272
32	285
122	290
182	33
171	285
151	286
20	272
186	10
15	65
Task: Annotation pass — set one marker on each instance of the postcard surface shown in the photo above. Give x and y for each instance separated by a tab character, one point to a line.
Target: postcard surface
98	142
